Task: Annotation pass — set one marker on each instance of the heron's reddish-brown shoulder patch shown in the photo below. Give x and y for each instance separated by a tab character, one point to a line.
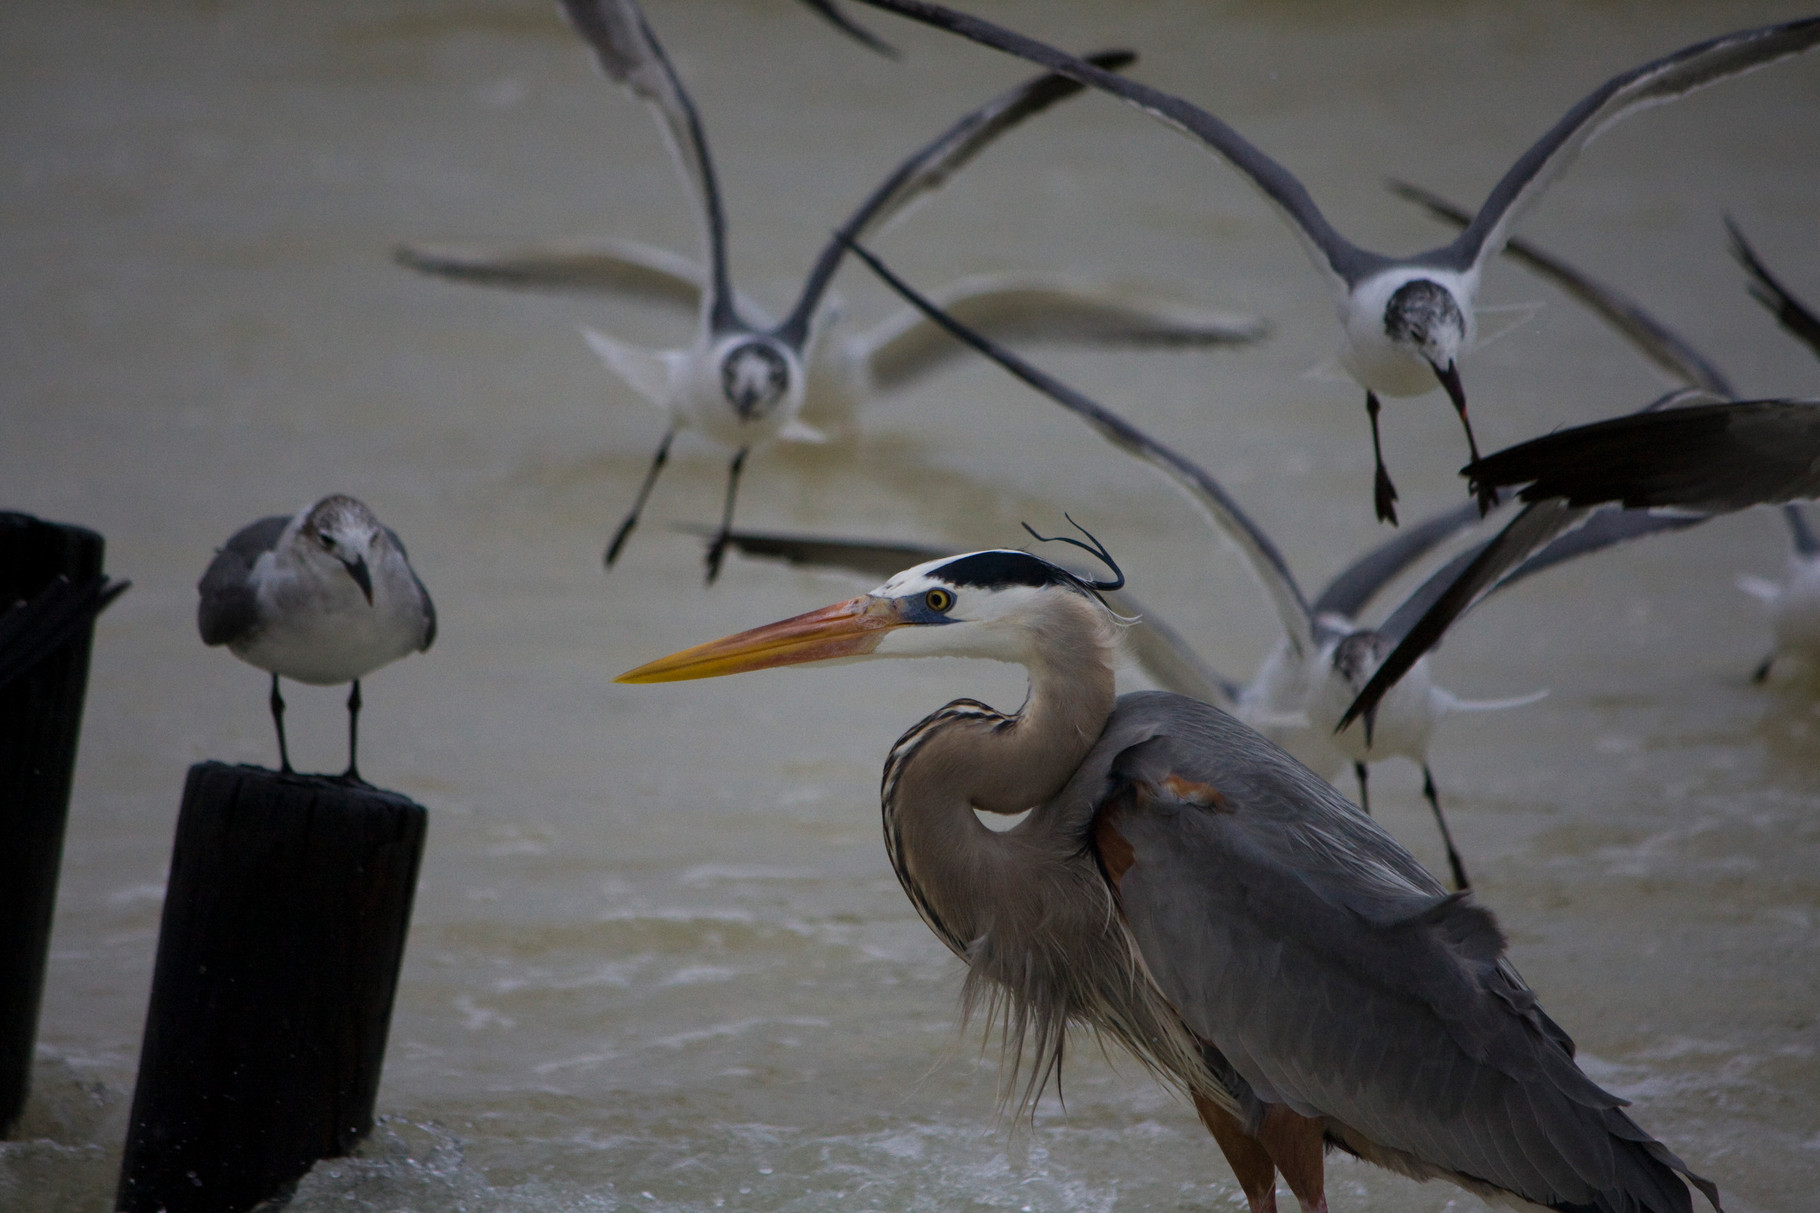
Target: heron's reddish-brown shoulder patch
1187	790
1116	854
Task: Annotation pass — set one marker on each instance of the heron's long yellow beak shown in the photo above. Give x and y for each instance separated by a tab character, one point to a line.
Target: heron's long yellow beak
846	629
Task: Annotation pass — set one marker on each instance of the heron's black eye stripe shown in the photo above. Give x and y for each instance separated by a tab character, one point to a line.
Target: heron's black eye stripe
938	600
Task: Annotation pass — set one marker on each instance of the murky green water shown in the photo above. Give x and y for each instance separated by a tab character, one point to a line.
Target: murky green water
659	961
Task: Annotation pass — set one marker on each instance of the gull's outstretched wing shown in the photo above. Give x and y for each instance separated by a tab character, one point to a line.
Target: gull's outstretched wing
1266	562
927	170
1654	83
1653	339
1359	582
1789	311
1008	307
629	54
846	25
622	268
1331	251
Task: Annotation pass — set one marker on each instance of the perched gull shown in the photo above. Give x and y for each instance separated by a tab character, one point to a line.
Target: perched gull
326	596
743	380
1406	320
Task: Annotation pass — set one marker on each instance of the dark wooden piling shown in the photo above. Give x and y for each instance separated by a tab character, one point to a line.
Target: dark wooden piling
278	954
50	590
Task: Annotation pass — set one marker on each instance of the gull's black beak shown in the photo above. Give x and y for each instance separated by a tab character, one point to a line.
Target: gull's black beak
1450	379
357	569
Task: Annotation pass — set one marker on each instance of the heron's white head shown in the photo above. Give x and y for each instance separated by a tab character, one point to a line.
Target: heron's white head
340	536
1002	605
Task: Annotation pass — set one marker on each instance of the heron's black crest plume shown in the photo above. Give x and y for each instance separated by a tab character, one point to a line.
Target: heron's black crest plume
1092	545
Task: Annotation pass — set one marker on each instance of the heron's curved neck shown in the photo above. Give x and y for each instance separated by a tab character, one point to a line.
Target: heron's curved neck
967	756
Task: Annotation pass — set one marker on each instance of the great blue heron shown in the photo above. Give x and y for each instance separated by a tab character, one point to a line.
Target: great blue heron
1184	887
1405	320
325	596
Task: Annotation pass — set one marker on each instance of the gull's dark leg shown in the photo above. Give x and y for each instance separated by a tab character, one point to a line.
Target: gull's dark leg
1384	493
352	774
1761	674
284	753
638	506
717	550
1359	769
1460	883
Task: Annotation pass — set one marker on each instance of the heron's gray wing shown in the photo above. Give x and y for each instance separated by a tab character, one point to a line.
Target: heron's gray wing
229	609
1653	339
1330	251
1654	83
1706	458
1040	307
849	27
1790	312
1202	489
629	54
926	171
34	628
622	268
1332	973
1359	582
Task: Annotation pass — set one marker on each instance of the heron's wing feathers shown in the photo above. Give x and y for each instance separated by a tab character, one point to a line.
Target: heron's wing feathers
621	268
1008	307
1790	312
1662	80
930	168
1332	252
1202	489
228	609
630	55
1335	976
1705	458
1653	339
34	628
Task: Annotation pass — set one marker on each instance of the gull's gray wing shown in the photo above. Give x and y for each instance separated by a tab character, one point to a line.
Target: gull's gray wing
926	171
1359	582
1709	458
1803	535
1039	307
1656	82
1653	339
1221	510
229	609
1789	311
622	268
1333	975
1158	648
846	25
1331	251
630	55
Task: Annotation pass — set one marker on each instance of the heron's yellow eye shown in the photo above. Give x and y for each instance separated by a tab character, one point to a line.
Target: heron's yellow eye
938	600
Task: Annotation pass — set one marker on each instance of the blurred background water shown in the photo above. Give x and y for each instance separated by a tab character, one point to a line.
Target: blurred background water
659	960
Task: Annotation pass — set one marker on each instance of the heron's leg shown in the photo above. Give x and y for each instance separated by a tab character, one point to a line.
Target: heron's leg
638	506
1384	493
1245	1154
1460	883
1359	769
353	772
1297	1146
717	550
1760	675
284	753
